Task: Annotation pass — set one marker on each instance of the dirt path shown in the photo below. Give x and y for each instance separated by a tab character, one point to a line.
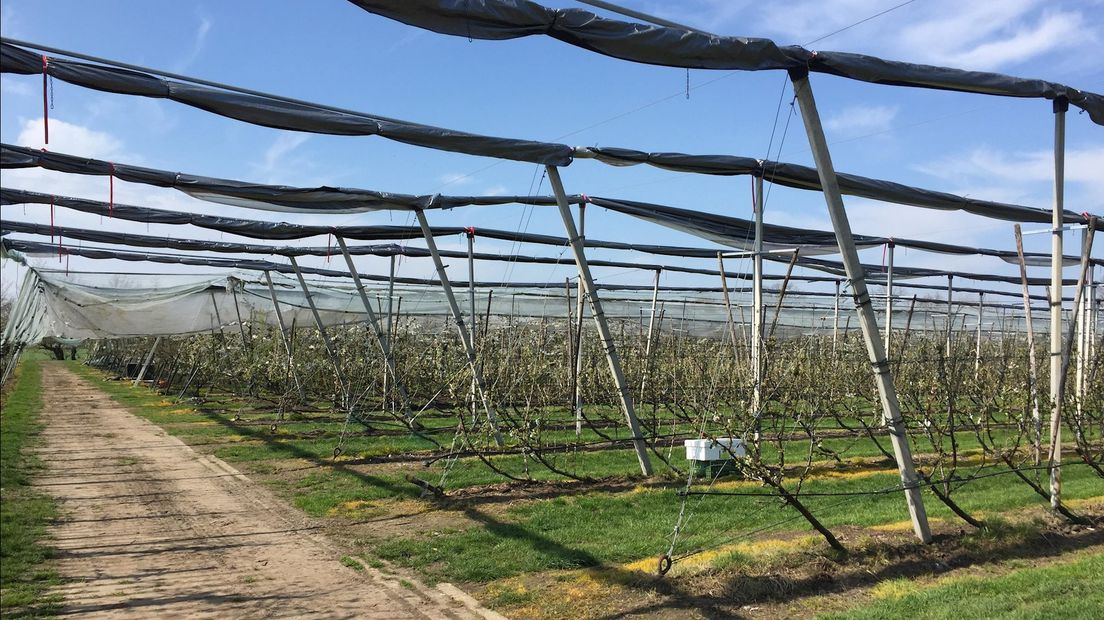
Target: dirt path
150	528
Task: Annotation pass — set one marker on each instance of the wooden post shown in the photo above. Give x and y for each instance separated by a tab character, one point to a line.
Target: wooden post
782	294
458	316
730	323
887	391
146	364
612	357
1061	105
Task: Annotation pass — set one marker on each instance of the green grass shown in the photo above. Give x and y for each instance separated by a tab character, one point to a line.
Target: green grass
1070	591
25	573
608	528
589	529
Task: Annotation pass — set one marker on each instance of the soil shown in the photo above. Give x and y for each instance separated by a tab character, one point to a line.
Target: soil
148	528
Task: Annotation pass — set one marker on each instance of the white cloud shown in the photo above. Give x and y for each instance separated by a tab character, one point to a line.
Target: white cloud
14	86
971	35
496	190
199	40
74	139
990	35
274	160
455	178
1082	166
861	119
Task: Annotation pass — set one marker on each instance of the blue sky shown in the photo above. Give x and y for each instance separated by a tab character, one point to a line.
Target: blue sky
332	52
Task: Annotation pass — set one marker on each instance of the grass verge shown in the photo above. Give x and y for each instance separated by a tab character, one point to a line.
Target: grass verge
1069	590
25	573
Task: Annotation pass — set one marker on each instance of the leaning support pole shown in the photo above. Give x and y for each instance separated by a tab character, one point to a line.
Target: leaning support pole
600	321
12	363
146	364
330	351
284	337
651	332
377	331
1061	105
458	316
887	391
1032	372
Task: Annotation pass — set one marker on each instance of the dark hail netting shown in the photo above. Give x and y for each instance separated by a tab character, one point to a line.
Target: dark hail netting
159	242
284	231
677	47
273	112
725	230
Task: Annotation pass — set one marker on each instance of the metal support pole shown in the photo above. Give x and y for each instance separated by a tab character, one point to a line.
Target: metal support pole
580	342
835	318
950	315
757	314
651	332
284	337
889	300
604	334
1061	105
339	374
146	364
977	352
381	337
868	321
458	316
474	325
1083	333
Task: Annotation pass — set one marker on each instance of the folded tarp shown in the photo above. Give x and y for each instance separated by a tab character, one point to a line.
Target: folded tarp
34	248
676	47
804	177
280	198
193	245
149	241
112	79
270	112
738	232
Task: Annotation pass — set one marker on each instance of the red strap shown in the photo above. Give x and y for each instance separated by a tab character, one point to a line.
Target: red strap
585	198
471	231
45	100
